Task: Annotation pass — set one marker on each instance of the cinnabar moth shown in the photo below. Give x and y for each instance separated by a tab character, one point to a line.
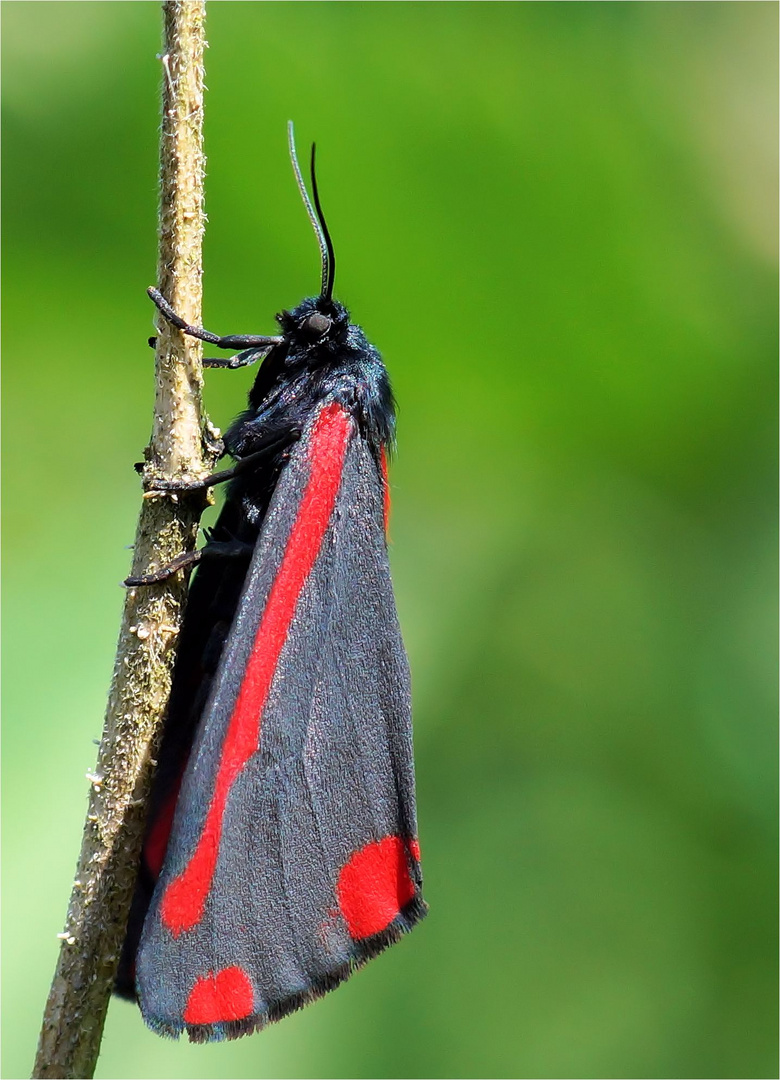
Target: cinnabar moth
281	849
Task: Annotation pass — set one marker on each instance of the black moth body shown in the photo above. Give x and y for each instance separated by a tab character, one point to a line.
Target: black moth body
281	848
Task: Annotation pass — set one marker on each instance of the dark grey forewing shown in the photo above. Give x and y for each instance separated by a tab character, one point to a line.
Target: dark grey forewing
333	772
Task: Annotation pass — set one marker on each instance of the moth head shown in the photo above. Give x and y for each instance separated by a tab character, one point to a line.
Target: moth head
316	323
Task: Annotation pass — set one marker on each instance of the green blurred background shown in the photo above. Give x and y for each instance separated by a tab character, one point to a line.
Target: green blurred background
557	223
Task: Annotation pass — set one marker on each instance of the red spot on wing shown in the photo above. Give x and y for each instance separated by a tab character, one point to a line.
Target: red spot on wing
386	484
184	900
414	847
374	885
223	995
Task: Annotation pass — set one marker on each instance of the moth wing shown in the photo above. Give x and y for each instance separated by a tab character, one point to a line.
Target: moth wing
293	855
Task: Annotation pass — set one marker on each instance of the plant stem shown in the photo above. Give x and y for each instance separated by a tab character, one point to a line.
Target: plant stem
181	442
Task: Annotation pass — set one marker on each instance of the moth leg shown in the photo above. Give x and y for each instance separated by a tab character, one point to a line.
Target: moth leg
181	562
275	442
213	549
242	359
226	549
231	341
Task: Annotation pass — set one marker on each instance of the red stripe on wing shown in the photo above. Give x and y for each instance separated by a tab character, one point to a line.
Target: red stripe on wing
386	485
156	843
184	900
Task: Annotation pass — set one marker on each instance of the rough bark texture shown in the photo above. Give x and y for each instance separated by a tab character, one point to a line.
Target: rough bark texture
181	443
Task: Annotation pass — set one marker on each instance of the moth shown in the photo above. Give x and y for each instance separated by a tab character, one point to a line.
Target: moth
281	850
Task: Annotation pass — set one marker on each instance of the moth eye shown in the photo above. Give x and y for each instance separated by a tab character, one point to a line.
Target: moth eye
317	324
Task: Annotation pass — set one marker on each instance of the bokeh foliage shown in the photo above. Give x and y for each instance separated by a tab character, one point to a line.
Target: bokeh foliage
556	221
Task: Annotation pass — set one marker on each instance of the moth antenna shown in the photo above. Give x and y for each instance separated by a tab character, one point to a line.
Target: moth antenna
317	219
327	285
